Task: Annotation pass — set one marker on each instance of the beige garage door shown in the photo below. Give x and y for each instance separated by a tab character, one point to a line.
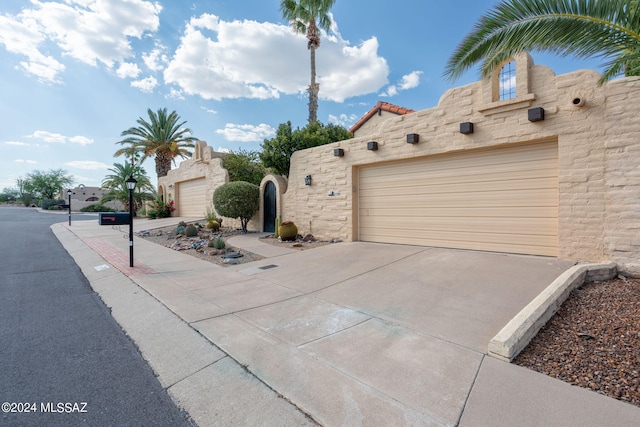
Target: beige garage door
503	199
192	198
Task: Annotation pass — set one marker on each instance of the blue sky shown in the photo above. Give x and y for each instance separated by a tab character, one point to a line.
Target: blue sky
75	73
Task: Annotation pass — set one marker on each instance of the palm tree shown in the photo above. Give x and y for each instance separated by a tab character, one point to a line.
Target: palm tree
308	16
162	137
117	186
609	29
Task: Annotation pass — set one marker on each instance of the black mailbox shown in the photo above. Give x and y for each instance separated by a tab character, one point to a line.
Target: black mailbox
113	218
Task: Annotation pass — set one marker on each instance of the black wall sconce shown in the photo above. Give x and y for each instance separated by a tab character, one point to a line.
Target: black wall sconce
372	145
413	138
536	114
338	152
466	128
307	180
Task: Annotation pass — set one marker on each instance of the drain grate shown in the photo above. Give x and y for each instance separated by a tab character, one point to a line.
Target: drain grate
266	267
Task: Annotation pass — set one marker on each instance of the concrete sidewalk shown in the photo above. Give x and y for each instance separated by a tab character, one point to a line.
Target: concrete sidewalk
346	334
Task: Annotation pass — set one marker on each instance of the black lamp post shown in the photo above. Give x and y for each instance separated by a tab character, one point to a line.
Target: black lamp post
69	194
131	185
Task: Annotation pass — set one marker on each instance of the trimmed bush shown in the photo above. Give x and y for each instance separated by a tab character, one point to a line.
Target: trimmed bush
46	204
97	207
237	199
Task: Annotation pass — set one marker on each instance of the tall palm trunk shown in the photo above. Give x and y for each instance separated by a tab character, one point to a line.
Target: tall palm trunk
314	88
163	164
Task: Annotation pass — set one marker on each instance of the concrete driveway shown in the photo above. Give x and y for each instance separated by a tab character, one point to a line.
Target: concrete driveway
379	334
355	334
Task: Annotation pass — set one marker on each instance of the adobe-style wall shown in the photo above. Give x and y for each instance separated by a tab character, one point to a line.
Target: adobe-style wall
205	163
596	128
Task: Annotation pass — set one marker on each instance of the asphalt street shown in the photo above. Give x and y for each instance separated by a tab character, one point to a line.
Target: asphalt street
64	361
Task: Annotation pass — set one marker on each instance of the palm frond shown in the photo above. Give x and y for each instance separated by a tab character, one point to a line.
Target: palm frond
583	28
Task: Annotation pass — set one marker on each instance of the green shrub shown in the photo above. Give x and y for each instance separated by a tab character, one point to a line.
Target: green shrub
46	204
160	209
237	199
217	243
97	207
191	231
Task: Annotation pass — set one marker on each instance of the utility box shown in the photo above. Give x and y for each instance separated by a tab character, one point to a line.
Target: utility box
113	218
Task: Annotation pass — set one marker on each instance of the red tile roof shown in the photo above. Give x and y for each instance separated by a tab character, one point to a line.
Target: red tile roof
380	106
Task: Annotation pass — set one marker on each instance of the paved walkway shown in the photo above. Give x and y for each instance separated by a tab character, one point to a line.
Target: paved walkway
346	334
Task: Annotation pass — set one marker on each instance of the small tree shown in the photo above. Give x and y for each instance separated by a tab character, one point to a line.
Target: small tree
237	199
244	166
276	152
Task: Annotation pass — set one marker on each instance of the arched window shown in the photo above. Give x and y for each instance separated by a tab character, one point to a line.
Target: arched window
508	81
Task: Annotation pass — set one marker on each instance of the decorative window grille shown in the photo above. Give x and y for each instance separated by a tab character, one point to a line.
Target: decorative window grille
508	81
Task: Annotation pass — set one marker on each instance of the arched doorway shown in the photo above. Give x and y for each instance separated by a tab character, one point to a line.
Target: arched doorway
269	218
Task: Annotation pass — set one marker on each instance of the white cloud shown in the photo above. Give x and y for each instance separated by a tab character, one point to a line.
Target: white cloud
223	150
156	59
30	162
343	120
128	70
249	59
208	110
57	138
49	136
146	85
18	143
91	31
87	165
82	140
246	133
408	81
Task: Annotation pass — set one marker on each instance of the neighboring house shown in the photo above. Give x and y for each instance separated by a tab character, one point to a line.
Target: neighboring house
371	122
82	196
544	165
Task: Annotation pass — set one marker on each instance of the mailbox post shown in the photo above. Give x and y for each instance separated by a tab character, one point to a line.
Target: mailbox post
131	185
69	194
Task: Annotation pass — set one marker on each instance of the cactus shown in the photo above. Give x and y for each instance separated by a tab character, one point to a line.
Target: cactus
275	233
191	231
213	225
217	243
288	231
180	229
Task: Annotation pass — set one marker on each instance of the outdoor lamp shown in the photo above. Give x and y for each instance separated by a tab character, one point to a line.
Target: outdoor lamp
307	180
131	185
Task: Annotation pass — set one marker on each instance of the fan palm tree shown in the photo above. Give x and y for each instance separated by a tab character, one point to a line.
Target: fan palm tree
609	29
308	17
117	187
162	137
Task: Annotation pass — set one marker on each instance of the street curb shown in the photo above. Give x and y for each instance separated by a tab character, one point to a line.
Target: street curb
515	336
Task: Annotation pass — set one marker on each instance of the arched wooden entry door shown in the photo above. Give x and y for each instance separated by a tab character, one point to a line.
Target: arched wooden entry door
269	219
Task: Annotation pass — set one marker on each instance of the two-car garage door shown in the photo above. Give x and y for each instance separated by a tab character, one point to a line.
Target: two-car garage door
503	199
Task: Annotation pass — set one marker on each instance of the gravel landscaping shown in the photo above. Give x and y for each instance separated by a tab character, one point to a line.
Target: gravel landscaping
593	341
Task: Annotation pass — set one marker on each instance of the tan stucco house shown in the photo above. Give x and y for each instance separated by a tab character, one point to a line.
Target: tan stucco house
550	169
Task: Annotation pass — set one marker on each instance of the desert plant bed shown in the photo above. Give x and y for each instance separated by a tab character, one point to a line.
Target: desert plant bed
593	341
198	246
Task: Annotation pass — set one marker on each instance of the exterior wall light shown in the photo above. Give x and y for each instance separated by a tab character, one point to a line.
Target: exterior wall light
413	138
466	128
536	114
307	180
338	152
372	145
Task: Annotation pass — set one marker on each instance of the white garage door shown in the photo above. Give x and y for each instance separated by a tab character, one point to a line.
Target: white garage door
192	198
503	199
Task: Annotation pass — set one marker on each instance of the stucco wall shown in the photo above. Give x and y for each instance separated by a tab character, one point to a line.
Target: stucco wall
599	179
207	164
